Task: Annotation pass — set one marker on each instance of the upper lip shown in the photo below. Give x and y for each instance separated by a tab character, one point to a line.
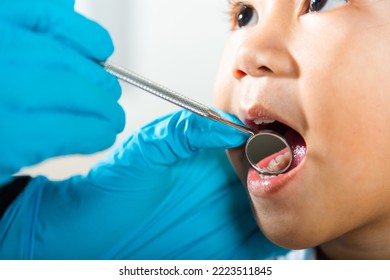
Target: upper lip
259	112
270	99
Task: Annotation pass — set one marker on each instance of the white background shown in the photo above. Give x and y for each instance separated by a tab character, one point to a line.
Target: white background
281	270
174	42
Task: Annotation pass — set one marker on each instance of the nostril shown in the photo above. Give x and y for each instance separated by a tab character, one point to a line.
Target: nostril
239	74
264	70
259	72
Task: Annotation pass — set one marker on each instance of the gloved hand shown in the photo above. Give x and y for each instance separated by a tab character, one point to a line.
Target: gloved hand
167	192
55	99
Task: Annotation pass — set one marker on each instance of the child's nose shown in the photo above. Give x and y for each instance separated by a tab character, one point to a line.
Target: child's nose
264	47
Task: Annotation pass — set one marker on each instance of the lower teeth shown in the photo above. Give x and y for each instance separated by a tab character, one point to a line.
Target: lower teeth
280	162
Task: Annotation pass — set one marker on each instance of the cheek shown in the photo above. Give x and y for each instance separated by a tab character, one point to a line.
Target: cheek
222	93
345	93
345	85
348	106
348	120
224	84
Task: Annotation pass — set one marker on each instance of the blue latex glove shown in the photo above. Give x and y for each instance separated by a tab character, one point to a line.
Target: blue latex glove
54	99
167	192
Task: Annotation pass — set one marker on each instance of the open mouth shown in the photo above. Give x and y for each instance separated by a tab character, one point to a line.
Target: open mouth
295	140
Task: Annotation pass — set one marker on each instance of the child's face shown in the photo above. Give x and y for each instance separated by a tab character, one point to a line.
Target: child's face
326	75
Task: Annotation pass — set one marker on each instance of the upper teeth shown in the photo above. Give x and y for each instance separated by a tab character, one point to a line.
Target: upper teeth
263	121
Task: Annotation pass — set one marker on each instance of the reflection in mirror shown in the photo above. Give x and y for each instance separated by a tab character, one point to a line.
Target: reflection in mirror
268	153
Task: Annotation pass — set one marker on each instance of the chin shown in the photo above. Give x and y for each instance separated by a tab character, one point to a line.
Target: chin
282	214
290	237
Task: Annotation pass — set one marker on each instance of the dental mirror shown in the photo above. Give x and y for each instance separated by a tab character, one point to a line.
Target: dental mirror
267	151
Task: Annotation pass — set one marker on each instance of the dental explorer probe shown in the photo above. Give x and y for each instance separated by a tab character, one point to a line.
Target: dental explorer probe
202	110
170	95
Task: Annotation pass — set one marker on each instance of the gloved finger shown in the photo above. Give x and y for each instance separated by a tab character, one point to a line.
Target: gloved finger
225	134
61	81
58	20
64	92
75	96
166	140
186	132
33	137
23	48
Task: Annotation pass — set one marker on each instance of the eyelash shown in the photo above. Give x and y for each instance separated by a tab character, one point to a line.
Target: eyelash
235	7
234	4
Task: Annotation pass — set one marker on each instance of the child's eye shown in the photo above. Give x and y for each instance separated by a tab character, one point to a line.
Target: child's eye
243	15
323	5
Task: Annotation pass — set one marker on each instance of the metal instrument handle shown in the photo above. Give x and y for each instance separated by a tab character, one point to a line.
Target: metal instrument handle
169	95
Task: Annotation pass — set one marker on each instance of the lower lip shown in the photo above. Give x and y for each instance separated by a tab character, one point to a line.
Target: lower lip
265	186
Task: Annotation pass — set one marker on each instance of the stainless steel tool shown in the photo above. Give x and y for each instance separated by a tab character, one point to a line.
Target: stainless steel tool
261	147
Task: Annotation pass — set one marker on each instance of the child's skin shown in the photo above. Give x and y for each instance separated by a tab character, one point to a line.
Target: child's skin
326	74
